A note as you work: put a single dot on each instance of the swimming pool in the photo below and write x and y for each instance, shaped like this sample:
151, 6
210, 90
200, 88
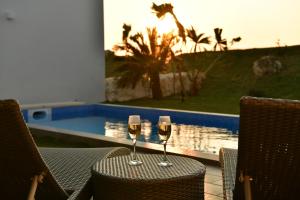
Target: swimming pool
205, 132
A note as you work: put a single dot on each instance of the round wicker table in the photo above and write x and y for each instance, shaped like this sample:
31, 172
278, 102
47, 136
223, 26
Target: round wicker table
114, 179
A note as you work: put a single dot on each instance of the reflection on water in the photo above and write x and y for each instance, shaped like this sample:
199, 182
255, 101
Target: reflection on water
116, 130
200, 138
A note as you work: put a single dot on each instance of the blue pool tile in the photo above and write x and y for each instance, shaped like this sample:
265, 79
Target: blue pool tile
73, 112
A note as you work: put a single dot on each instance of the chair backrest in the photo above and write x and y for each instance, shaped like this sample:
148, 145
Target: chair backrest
20, 159
269, 148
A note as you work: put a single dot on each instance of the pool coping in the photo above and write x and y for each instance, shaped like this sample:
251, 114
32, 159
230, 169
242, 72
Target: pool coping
54, 105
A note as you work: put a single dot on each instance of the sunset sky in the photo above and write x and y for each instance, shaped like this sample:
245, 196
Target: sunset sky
260, 23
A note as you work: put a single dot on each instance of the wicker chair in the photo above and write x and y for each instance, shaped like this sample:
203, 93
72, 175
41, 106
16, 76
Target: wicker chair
65, 171
268, 153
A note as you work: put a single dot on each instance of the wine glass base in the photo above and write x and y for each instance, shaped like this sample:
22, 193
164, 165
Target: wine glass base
165, 164
135, 162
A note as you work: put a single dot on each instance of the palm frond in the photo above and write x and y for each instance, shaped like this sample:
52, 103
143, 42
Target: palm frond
205, 40
218, 34
191, 33
133, 50
166, 50
152, 36
138, 38
126, 30
181, 30
237, 39
234, 40
161, 10
215, 46
119, 47
223, 42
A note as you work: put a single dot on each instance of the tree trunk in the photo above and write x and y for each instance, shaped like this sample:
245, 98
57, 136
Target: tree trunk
155, 86
193, 76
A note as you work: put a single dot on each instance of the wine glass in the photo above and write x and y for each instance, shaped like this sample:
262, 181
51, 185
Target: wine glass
164, 133
134, 129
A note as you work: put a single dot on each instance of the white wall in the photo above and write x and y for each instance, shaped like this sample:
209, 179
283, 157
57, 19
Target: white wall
52, 51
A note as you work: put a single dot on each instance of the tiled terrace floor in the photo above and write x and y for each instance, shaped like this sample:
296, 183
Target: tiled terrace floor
213, 186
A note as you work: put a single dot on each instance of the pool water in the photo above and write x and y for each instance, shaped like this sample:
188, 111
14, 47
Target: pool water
193, 137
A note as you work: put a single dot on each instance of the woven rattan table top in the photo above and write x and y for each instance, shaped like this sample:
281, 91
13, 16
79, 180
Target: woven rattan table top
118, 167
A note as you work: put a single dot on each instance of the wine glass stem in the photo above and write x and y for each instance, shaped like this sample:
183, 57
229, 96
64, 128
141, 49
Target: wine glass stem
165, 154
134, 153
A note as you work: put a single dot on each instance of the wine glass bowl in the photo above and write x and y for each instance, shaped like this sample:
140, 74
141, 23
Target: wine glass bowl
134, 130
164, 133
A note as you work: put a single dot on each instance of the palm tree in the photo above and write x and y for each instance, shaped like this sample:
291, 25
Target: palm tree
144, 60
220, 42
160, 11
197, 39
195, 76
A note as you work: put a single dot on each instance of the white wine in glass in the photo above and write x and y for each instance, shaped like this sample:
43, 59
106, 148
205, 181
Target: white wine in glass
164, 133
134, 129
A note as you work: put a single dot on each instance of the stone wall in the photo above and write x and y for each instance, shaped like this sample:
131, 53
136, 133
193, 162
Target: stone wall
168, 85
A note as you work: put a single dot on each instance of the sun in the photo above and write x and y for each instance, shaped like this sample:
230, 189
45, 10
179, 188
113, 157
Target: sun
164, 25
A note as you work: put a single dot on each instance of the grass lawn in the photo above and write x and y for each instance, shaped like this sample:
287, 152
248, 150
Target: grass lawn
231, 78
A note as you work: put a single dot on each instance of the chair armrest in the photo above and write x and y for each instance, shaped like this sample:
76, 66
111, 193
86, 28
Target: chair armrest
247, 185
228, 160
35, 181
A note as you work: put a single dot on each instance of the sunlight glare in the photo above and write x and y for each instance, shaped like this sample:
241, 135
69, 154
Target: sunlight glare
164, 25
